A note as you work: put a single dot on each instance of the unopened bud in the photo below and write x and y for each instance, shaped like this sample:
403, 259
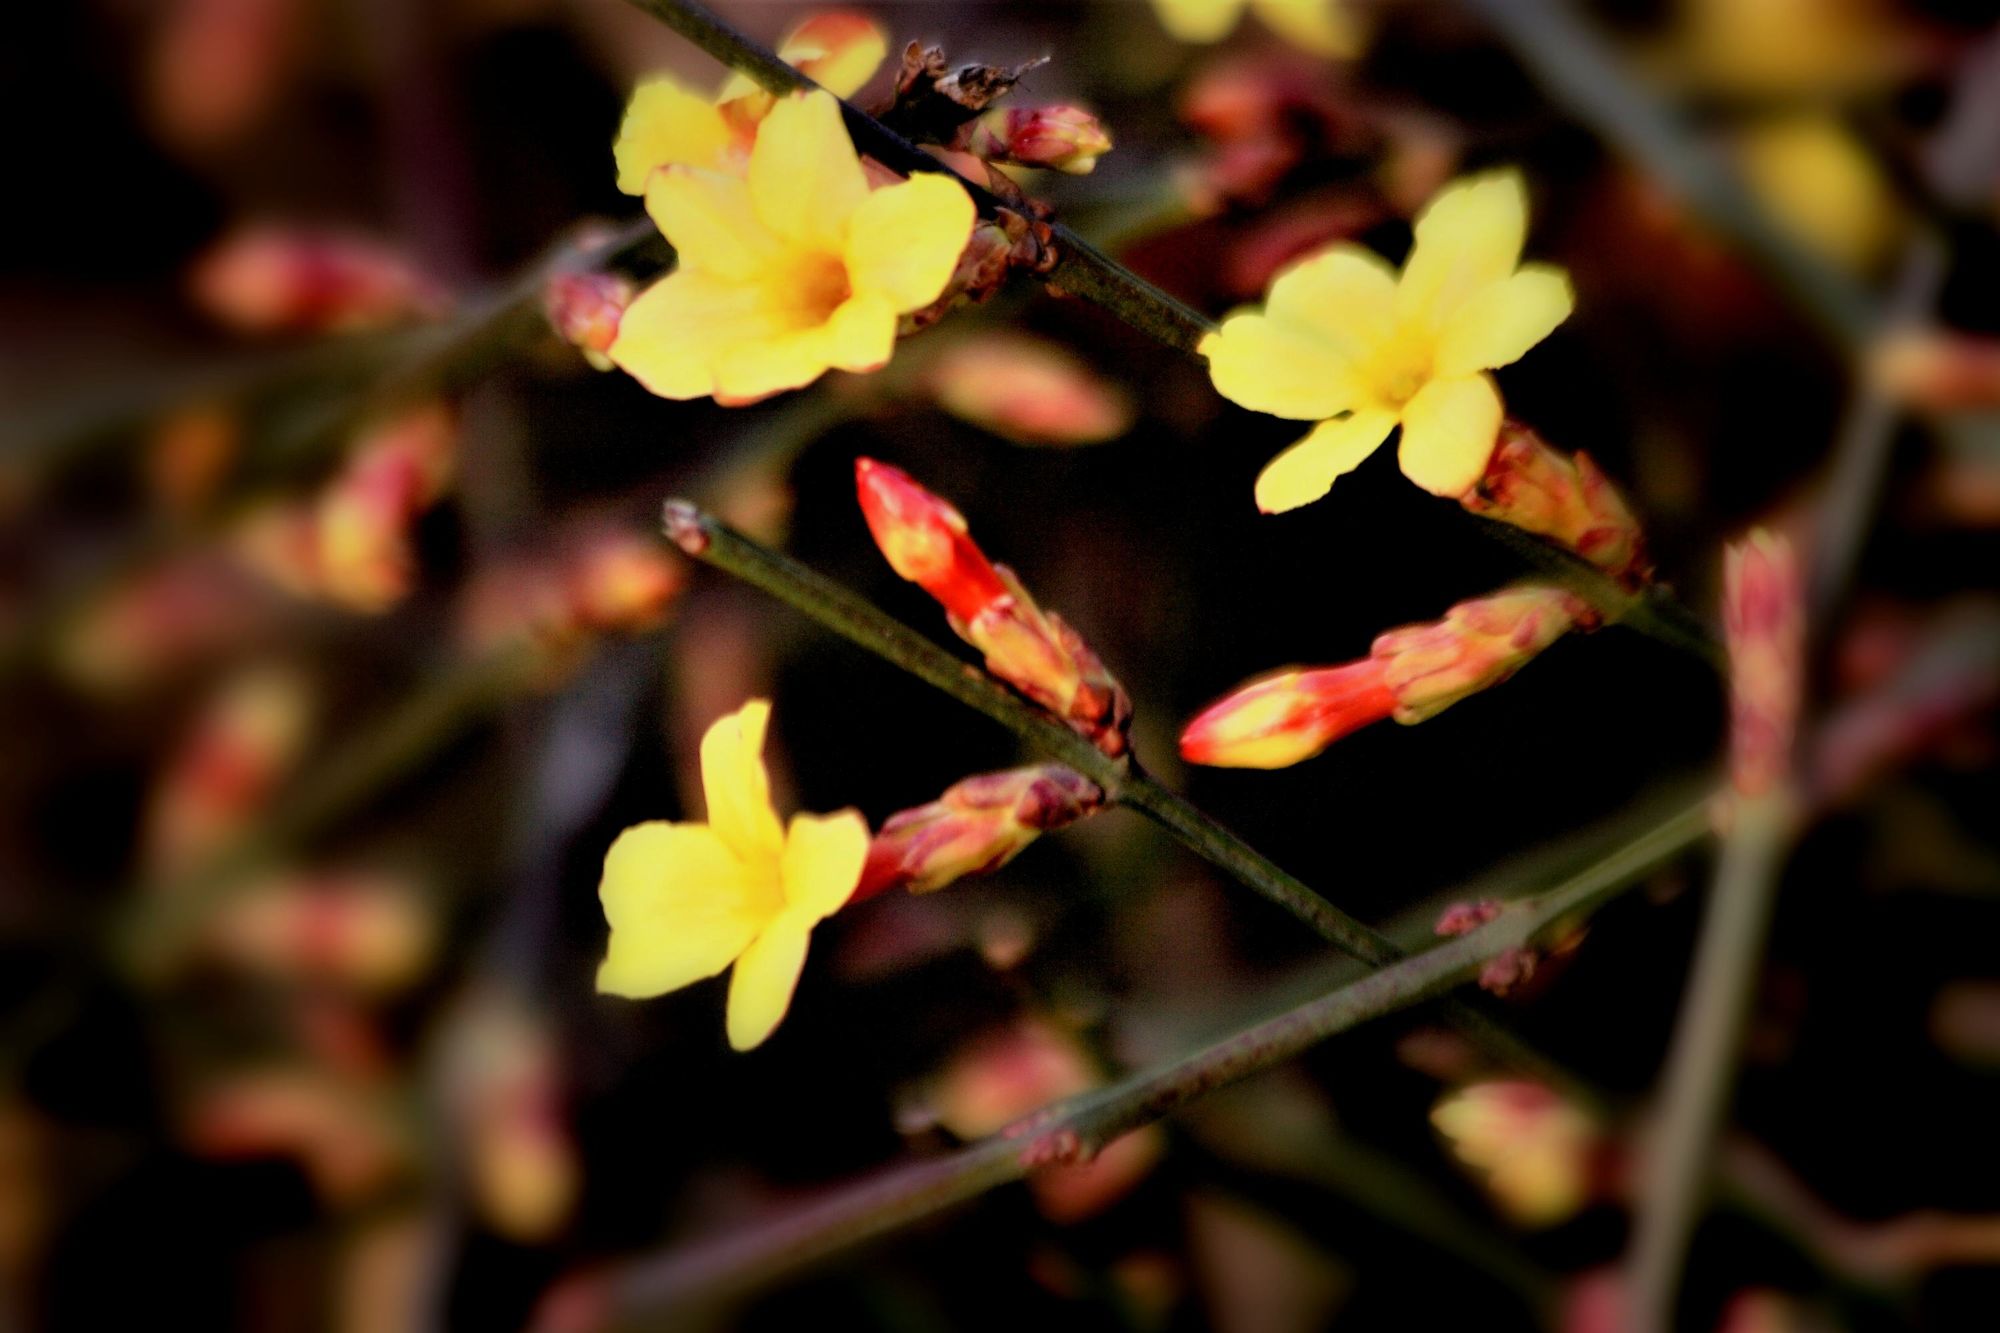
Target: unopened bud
295, 280
925, 540
364, 518
1568, 500
1763, 620
1477, 645
1065, 138
977, 826
585, 310
239, 749
1284, 719
371, 932
1028, 391
1940, 372
601, 581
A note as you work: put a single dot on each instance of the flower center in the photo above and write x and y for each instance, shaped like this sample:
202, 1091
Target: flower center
1401, 367
821, 286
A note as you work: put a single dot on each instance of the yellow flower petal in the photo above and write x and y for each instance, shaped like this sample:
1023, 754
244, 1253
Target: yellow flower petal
664, 125
738, 791
1449, 430
1198, 20
1499, 323
1306, 471
708, 217
860, 334
1320, 27
1270, 366
822, 862
1467, 237
1346, 295
904, 240
670, 336
804, 176
760, 988
750, 370
681, 906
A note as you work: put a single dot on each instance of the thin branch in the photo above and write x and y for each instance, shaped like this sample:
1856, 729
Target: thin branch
1081, 268
1701, 1065
1580, 71
1077, 1129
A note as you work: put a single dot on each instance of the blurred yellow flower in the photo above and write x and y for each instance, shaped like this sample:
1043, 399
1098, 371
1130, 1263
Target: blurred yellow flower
1321, 27
686, 901
1821, 185
1535, 1149
667, 124
790, 270
1343, 341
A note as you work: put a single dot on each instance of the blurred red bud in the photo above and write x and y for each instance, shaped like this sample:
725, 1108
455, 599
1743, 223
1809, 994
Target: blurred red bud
272, 279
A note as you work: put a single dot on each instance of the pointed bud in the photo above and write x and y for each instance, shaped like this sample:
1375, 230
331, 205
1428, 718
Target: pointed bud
585, 310
1028, 391
925, 540
276, 279
1065, 138
1565, 499
242, 745
976, 827
1477, 645
1763, 620
1284, 719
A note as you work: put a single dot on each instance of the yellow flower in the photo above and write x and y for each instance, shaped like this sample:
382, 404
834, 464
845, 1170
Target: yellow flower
789, 270
1321, 27
687, 900
1343, 341
668, 125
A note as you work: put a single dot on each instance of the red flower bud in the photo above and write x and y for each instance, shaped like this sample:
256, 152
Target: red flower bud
976, 827
1565, 499
925, 540
1283, 719
1067, 138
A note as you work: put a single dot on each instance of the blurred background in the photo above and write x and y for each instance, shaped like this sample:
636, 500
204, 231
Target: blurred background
337, 645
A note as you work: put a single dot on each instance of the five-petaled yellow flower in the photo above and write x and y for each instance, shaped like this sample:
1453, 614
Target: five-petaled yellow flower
687, 900
1343, 341
790, 270
1321, 27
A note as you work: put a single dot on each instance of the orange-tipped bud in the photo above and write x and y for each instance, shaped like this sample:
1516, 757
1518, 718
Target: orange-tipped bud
1028, 391
585, 310
977, 826
1565, 499
1763, 620
925, 540
1478, 644
241, 746
1941, 372
1284, 719
1065, 138
295, 280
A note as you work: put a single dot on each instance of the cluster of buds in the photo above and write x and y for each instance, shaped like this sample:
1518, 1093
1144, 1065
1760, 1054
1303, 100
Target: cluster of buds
1537, 1151
243, 743
273, 279
1061, 137
1027, 390
1763, 620
1565, 499
602, 581
976, 827
925, 541
1410, 674
351, 544
369, 933
585, 308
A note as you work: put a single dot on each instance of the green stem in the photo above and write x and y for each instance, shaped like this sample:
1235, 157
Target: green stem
1078, 1129
1081, 269
1702, 1062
